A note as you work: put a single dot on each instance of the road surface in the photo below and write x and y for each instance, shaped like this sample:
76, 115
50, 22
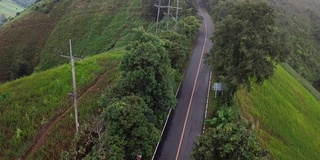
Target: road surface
186, 121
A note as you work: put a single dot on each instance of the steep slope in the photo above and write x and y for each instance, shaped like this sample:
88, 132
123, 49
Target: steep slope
30, 104
286, 116
40, 35
9, 8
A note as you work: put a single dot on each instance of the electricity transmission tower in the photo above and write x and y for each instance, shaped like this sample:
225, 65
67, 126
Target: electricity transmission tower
159, 6
74, 94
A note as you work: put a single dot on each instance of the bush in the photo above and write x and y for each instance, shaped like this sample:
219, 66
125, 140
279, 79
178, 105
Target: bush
228, 139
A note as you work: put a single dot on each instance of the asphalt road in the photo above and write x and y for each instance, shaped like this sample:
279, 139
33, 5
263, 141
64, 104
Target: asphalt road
186, 121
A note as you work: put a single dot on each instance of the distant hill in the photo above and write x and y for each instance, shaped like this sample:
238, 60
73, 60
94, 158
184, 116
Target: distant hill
36, 39
25, 3
9, 8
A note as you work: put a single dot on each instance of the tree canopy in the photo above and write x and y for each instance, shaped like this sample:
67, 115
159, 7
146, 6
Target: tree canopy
146, 72
227, 138
128, 128
246, 45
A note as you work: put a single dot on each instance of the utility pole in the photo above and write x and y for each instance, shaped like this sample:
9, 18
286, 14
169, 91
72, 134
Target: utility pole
168, 14
177, 16
74, 94
159, 6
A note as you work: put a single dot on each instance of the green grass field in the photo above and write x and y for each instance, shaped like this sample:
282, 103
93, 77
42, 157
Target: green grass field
286, 117
9, 8
27, 104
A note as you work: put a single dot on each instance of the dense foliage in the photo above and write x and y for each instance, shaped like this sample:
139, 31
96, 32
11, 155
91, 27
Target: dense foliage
227, 138
129, 129
300, 21
137, 105
146, 71
246, 44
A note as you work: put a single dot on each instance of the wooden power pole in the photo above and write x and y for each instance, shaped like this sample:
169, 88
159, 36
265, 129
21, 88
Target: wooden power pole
74, 94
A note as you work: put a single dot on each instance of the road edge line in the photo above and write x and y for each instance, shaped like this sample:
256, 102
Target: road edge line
208, 94
165, 125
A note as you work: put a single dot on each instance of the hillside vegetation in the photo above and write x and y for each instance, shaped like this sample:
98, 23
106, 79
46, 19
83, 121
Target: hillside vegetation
27, 104
286, 116
40, 35
301, 20
31, 105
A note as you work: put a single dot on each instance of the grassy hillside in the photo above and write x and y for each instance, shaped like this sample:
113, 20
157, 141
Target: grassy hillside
286, 116
9, 8
37, 38
27, 104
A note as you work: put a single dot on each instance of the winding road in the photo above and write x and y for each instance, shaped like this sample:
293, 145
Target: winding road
185, 123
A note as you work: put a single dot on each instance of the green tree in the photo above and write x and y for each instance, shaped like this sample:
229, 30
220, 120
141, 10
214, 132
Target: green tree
146, 72
246, 45
228, 139
221, 8
130, 132
189, 26
177, 46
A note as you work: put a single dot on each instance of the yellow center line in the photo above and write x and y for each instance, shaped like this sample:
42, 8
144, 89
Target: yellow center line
194, 86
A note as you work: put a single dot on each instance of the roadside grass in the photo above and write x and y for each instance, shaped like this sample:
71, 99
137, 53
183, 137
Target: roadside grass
27, 104
212, 101
9, 8
88, 110
286, 116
